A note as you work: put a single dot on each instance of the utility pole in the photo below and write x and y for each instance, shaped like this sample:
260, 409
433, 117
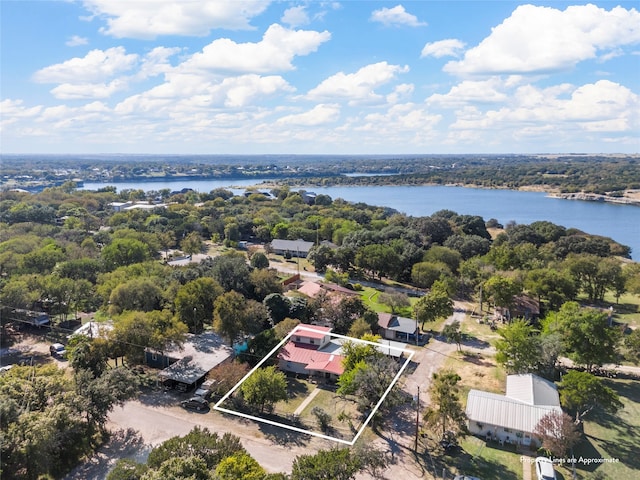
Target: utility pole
415, 448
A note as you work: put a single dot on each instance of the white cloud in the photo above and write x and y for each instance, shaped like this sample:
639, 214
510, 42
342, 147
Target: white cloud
95, 66
450, 47
557, 110
76, 41
318, 115
396, 16
400, 92
156, 62
150, 18
295, 16
357, 87
239, 91
13, 111
543, 39
485, 91
75, 91
275, 52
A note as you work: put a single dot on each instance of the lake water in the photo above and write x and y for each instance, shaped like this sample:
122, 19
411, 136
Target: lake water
620, 222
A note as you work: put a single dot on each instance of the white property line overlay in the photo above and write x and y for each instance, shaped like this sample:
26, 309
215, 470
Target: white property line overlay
310, 432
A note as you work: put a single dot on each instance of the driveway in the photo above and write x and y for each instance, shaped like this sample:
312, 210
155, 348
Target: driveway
140, 425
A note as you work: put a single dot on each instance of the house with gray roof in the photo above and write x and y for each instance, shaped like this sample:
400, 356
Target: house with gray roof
393, 327
295, 248
185, 367
512, 418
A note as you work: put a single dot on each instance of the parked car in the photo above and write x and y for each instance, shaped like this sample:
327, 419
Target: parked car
195, 403
58, 350
544, 469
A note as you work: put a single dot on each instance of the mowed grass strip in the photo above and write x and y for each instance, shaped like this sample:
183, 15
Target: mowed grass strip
612, 437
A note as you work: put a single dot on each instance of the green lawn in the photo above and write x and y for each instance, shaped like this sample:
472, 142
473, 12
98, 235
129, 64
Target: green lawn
474, 458
334, 405
626, 310
613, 437
297, 389
370, 299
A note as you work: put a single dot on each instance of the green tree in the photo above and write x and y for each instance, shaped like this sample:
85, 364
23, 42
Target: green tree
239, 467
259, 260
231, 272
192, 244
452, 333
335, 464
124, 251
278, 307
263, 283
445, 411
424, 274
587, 336
201, 442
101, 394
551, 286
283, 328
195, 300
632, 346
395, 300
359, 328
86, 353
127, 469
502, 290
435, 304
264, 388
179, 468
230, 315
321, 256
369, 380
380, 260
137, 294
135, 331
582, 392
518, 348
594, 274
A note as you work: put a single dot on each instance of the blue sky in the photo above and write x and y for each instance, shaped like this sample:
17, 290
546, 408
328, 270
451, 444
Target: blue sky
253, 77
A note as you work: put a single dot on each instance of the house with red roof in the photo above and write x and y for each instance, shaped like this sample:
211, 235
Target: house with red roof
310, 351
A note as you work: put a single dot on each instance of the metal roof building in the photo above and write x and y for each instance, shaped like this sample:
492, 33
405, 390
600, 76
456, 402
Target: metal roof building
514, 416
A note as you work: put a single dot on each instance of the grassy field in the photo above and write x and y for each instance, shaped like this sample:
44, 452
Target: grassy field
613, 437
474, 458
297, 389
626, 310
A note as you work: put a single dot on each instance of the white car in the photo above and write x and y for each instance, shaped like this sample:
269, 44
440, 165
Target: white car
544, 469
58, 350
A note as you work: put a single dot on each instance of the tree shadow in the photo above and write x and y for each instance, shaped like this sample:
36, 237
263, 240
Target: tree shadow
625, 389
160, 397
476, 359
456, 461
120, 444
586, 450
474, 342
296, 387
284, 436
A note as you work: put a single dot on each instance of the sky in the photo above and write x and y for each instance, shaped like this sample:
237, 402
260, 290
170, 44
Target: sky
319, 77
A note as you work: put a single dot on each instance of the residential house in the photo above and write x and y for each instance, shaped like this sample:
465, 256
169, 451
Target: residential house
512, 418
185, 368
311, 350
296, 248
314, 289
393, 327
523, 306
